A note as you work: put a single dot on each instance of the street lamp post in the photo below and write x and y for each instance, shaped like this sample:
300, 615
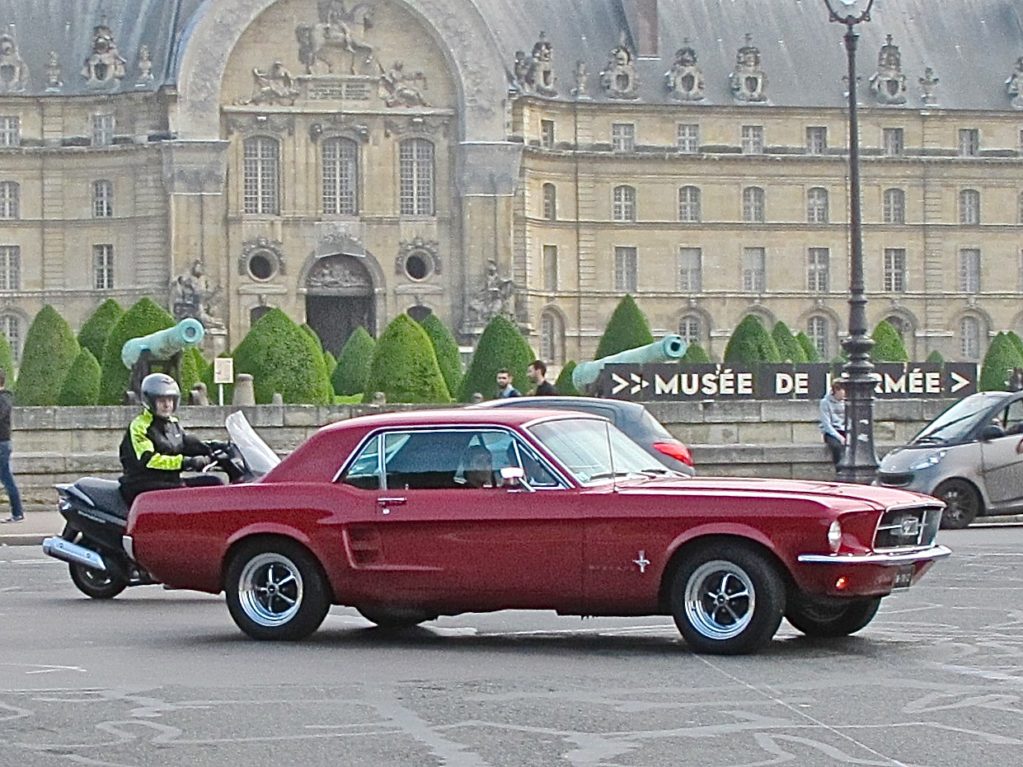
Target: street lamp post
859, 460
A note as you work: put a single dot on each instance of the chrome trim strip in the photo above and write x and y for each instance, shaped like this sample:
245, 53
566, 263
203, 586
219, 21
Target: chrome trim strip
907, 558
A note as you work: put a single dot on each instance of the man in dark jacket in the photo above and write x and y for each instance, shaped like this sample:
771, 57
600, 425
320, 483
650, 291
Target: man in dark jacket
6, 477
537, 375
155, 449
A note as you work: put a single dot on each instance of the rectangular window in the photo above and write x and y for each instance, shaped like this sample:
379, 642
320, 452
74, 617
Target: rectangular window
969, 270
754, 270
892, 140
752, 139
969, 142
103, 266
688, 138
340, 163
10, 130
10, 267
550, 267
895, 270
818, 264
102, 130
623, 137
547, 134
102, 199
625, 270
690, 270
816, 140
416, 170
260, 175
10, 199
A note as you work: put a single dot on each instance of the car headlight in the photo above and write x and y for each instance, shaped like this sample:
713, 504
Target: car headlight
931, 459
835, 536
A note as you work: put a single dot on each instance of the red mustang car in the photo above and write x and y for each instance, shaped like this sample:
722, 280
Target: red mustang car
409, 516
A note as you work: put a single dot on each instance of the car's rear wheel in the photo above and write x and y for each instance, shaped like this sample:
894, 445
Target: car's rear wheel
831, 617
962, 503
394, 618
276, 590
97, 584
727, 599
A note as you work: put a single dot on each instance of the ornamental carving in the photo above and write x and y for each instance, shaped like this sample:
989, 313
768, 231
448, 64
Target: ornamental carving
619, 76
145, 67
191, 296
1014, 85
13, 70
496, 297
272, 86
928, 84
399, 88
427, 250
261, 248
582, 77
339, 273
416, 125
748, 82
261, 123
339, 124
54, 82
888, 84
337, 42
535, 74
685, 78
104, 65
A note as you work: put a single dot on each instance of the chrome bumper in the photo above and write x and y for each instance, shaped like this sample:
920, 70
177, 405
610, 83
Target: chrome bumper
66, 551
901, 558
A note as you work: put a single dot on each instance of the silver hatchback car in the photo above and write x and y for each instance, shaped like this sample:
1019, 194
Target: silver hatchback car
970, 456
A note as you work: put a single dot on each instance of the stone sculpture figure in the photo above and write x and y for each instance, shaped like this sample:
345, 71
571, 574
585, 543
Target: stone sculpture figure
145, 66
541, 68
748, 82
888, 84
928, 84
274, 86
13, 70
685, 79
104, 64
326, 45
190, 296
53, 79
398, 88
1014, 85
497, 297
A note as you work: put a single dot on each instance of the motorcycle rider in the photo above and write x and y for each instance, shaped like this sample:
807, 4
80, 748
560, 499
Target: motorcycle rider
155, 449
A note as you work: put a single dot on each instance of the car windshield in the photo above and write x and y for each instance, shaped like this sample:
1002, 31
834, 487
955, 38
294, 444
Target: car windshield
955, 423
594, 450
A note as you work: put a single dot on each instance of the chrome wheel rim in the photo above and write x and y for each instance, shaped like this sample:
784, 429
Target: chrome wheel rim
719, 600
270, 589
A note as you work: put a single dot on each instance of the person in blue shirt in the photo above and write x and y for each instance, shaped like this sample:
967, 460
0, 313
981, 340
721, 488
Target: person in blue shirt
832, 420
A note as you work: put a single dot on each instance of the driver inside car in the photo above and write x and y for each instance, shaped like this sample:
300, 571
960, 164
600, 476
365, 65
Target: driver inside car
479, 467
155, 449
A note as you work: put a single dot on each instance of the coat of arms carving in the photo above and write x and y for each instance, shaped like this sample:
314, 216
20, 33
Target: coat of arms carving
104, 65
1014, 85
619, 76
685, 79
888, 84
748, 82
13, 71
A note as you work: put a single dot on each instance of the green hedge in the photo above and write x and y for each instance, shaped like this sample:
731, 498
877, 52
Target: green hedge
888, 346
627, 329
809, 349
1002, 356
446, 349
404, 365
935, 357
352, 370
501, 345
788, 347
143, 318
94, 333
50, 351
751, 343
81, 385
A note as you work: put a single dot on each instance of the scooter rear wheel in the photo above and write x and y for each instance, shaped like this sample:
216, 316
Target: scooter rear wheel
96, 583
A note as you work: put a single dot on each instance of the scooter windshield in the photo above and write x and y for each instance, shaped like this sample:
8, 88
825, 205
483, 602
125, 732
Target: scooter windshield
258, 455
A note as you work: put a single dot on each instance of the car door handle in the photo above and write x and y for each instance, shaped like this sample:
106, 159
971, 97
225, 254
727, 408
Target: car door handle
399, 501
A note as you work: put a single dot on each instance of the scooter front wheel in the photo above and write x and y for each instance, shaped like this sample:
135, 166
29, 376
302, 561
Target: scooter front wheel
96, 583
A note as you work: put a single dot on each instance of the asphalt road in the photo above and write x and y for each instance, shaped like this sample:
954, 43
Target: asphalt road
164, 678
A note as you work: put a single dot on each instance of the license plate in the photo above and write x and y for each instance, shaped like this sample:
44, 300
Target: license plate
903, 577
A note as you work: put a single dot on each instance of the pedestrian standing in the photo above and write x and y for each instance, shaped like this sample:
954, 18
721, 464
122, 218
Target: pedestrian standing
504, 385
537, 375
6, 477
832, 420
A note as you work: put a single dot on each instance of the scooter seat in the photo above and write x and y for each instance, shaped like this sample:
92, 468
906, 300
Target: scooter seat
106, 494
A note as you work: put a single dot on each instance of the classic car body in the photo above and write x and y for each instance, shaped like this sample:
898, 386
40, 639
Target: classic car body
384, 514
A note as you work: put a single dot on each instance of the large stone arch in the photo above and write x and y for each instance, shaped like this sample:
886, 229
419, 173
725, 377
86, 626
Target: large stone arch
456, 26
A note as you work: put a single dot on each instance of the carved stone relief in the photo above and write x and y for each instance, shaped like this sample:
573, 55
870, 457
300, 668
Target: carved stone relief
272, 86
888, 84
418, 258
339, 272
261, 123
399, 88
417, 125
497, 296
619, 76
54, 82
145, 68
13, 70
1014, 85
261, 258
535, 74
337, 42
104, 65
928, 84
748, 82
685, 78
339, 124
191, 296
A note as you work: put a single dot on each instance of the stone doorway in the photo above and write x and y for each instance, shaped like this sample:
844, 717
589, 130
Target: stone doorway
339, 298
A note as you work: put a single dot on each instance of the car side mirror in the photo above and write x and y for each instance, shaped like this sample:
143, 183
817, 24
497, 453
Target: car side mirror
515, 476
990, 432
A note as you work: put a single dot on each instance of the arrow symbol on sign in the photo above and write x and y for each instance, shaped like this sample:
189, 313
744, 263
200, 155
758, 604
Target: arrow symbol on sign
618, 383
958, 382
638, 383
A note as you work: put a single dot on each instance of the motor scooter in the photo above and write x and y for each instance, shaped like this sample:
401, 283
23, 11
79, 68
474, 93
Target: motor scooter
96, 516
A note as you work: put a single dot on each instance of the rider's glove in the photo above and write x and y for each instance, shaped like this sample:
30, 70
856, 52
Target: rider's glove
196, 462
216, 446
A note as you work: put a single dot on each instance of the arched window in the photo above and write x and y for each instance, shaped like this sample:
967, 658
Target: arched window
261, 176
552, 338
102, 199
753, 205
689, 204
894, 209
691, 328
340, 169
10, 199
415, 160
969, 338
550, 202
901, 325
256, 312
969, 207
818, 330
10, 326
817, 205
623, 206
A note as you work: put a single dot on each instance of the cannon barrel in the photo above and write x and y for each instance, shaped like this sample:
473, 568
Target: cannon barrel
668, 349
163, 344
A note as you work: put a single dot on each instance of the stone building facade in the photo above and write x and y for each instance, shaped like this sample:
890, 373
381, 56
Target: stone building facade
350, 160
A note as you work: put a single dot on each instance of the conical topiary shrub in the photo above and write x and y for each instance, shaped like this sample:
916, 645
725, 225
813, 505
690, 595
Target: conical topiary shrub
751, 344
329, 364
193, 365
312, 334
694, 355
7, 360
50, 351
281, 357
81, 385
143, 318
888, 346
94, 333
627, 329
809, 349
564, 383
353, 364
404, 365
501, 345
1002, 356
1014, 337
788, 346
446, 349
935, 357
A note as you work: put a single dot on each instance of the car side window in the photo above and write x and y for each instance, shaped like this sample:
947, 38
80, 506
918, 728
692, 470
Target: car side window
364, 471
510, 451
1014, 418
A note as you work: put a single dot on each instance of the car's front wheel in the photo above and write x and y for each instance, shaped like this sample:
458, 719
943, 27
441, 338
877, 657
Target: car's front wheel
962, 503
831, 617
727, 600
276, 590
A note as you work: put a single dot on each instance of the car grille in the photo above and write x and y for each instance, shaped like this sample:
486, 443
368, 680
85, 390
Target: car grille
894, 480
907, 527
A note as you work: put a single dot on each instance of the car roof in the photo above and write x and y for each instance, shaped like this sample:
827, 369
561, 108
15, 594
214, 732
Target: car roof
462, 416
571, 403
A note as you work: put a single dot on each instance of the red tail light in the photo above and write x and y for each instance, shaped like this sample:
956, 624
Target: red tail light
676, 450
